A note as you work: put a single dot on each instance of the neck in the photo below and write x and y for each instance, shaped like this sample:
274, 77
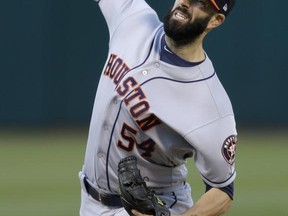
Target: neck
192, 52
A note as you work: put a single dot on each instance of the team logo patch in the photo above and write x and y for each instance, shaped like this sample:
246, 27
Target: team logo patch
229, 149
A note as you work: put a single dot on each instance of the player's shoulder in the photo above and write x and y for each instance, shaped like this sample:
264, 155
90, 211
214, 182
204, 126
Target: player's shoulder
217, 90
115, 12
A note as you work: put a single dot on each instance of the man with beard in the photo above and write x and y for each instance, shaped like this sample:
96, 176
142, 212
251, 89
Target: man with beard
159, 99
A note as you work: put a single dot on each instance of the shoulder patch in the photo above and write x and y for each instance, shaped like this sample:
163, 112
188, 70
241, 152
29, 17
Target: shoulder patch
229, 149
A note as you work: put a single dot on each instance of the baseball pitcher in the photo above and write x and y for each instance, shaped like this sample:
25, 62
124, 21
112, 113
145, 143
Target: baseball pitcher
159, 101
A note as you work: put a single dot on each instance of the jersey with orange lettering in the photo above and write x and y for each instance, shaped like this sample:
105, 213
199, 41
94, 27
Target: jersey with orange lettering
152, 104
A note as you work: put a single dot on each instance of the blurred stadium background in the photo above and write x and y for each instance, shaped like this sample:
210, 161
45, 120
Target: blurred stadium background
51, 56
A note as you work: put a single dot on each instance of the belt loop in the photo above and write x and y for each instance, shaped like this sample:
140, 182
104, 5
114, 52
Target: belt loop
82, 182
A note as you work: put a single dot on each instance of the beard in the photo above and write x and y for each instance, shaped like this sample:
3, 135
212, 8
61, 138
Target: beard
183, 34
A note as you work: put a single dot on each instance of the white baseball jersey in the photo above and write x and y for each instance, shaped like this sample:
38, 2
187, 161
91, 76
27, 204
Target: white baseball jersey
158, 111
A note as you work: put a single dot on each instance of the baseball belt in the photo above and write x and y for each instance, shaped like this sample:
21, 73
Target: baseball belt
112, 200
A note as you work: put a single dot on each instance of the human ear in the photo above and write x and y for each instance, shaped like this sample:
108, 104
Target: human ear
216, 20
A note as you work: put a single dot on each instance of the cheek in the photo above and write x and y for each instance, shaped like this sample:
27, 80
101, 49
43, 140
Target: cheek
176, 4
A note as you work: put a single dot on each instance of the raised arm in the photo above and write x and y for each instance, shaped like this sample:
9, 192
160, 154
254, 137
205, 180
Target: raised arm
116, 11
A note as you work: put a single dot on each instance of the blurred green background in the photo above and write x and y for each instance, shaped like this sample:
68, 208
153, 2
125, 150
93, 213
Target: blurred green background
51, 56
39, 173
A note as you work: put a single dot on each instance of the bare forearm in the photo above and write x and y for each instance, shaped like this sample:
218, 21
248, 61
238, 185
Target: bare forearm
213, 203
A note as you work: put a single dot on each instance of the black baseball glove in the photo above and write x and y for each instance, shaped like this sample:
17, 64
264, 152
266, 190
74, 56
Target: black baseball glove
134, 192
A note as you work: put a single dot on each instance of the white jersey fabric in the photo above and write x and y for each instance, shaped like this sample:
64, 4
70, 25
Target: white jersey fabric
159, 112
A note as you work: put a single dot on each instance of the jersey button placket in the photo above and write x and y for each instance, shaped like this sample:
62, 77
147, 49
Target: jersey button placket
157, 65
100, 155
144, 72
105, 127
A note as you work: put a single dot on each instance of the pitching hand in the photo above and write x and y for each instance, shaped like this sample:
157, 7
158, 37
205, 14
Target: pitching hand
136, 213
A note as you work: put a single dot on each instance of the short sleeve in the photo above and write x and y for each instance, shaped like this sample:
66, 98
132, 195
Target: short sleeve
215, 151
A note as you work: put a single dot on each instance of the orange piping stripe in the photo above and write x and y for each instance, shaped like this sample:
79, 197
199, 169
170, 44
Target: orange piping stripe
214, 3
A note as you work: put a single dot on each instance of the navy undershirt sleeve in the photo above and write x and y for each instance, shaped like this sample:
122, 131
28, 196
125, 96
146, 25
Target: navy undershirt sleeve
229, 189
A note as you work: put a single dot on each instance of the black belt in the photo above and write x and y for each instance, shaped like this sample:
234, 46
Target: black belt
106, 199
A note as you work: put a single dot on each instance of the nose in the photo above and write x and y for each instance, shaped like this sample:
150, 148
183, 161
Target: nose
185, 3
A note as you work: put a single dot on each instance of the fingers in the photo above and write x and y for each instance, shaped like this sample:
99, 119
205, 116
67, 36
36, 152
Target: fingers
136, 213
